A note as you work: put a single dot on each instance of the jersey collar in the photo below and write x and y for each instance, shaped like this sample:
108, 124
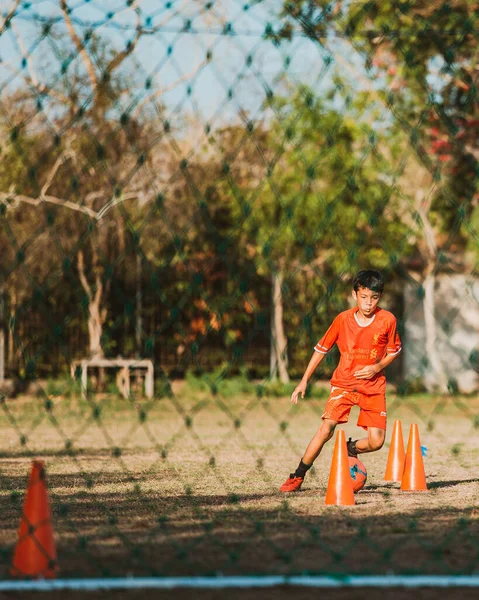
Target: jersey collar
370, 321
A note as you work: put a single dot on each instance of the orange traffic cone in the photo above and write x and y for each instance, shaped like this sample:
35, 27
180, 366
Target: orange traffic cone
396, 456
340, 485
414, 477
35, 554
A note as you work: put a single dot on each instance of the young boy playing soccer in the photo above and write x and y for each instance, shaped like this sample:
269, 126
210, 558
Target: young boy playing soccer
368, 342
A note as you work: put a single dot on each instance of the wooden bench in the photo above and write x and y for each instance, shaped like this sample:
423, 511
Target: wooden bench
124, 366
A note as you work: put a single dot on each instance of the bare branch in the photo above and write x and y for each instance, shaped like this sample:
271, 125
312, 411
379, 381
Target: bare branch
115, 63
423, 206
7, 198
17, 198
34, 81
90, 67
99, 285
180, 10
99, 288
115, 201
164, 90
93, 196
40, 87
64, 156
8, 17
81, 273
26, 55
119, 58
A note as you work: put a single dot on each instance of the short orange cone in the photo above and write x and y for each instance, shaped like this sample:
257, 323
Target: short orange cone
396, 456
414, 477
340, 485
35, 554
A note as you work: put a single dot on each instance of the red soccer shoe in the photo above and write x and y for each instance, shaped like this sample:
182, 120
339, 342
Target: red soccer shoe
292, 484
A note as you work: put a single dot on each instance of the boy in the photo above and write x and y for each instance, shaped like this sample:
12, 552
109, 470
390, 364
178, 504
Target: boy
368, 342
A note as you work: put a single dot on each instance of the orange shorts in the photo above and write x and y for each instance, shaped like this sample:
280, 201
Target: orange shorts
372, 411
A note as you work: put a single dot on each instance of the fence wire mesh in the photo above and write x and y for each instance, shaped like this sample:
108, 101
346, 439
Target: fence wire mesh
186, 191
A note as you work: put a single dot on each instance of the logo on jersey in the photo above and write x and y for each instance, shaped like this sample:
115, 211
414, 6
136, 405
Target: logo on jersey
376, 339
382, 414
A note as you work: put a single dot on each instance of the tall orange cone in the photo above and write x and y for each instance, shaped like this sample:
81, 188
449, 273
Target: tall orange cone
340, 485
414, 477
396, 456
35, 554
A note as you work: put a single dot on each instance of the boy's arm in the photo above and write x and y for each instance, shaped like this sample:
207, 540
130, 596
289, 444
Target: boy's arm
301, 387
320, 350
370, 371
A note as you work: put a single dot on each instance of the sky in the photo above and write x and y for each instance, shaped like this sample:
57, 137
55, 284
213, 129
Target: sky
170, 64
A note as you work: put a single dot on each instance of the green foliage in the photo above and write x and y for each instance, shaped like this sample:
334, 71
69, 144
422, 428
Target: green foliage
420, 59
241, 385
216, 383
276, 389
64, 387
471, 232
328, 191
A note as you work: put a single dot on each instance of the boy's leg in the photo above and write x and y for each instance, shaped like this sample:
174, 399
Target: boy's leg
336, 411
372, 417
324, 433
373, 442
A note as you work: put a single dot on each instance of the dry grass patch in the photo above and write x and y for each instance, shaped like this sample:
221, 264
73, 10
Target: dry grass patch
189, 485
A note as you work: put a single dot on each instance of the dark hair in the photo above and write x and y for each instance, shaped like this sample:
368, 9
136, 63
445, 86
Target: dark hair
369, 278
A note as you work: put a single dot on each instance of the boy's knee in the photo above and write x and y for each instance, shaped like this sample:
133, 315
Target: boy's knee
327, 430
376, 442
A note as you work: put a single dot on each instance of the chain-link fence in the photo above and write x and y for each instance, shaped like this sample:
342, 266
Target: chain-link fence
186, 192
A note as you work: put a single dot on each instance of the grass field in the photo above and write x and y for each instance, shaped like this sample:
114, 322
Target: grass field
188, 484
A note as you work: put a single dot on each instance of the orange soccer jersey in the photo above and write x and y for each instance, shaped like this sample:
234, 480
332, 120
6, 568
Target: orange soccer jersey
359, 346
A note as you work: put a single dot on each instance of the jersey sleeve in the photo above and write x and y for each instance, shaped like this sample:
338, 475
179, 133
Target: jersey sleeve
329, 338
394, 343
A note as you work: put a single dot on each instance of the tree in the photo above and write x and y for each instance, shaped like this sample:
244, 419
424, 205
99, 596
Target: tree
432, 55
421, 57
312, 198
94, 153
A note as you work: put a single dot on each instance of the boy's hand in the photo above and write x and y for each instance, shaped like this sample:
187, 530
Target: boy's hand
367, 372
300, 389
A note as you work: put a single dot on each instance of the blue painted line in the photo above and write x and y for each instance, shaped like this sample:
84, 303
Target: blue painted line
128, 583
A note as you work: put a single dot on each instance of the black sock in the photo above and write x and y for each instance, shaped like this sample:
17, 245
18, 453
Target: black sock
352, 449
302, 469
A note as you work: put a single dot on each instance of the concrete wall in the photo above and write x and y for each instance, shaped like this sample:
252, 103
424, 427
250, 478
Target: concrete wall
457, 318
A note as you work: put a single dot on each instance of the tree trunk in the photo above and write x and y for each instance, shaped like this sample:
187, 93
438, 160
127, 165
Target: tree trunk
273, 357
436, 379
279, 342
95, 328
139, 306
11, 344
96, 314
2, 333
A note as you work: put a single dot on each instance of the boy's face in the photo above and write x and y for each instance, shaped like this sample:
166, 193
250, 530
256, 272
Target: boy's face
367, 300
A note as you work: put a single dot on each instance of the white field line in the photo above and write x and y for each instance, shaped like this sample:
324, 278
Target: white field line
222, 582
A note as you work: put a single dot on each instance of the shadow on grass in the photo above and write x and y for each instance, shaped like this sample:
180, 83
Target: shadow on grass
452, 483
109, 531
